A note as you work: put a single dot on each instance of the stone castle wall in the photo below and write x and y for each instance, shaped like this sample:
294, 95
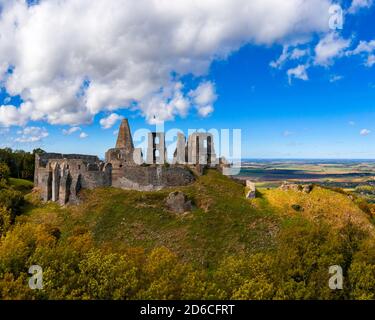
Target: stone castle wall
153, 177
60, 177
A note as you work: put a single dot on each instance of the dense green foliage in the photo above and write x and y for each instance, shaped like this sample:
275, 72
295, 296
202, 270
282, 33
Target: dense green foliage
124, 245
20, 163
4, 172
75, 269
11, 200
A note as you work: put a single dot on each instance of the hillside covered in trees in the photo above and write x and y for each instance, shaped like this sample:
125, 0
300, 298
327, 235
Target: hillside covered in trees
126, 245
20, 163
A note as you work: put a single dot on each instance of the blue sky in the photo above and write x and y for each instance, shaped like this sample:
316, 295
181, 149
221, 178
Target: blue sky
321, 116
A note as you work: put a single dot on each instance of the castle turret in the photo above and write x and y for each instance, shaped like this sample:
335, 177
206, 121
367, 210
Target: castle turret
124, 139
123, 154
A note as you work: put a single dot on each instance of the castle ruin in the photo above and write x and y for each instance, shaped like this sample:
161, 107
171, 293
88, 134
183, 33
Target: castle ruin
60, 177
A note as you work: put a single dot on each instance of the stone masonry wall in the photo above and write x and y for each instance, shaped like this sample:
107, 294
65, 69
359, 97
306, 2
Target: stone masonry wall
148, 178
60, 177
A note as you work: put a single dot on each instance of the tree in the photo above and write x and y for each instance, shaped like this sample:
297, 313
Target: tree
21, 164
4, 171
38, 151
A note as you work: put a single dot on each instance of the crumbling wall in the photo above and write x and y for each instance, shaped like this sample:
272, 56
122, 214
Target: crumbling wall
60, 177
148, 178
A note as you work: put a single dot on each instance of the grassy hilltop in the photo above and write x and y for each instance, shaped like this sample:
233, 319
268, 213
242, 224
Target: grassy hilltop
126, 245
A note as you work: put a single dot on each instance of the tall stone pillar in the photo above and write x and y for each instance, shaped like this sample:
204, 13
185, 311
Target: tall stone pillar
65, 183
180, 153
55, 181
193, 149
156, 148
201, 149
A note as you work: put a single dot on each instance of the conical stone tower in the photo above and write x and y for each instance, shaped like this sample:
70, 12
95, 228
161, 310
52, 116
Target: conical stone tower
124, 139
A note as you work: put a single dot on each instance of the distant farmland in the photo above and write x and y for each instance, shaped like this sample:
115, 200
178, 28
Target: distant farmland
336, 173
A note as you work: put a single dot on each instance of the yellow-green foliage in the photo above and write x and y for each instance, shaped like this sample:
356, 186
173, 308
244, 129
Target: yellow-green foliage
320, 205
10, 201
4, 171
125, 245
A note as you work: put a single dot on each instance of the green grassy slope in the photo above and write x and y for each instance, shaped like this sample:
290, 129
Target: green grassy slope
22, 185
222, 223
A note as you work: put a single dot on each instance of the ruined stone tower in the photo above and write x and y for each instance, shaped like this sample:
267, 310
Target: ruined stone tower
123, 153
124, 139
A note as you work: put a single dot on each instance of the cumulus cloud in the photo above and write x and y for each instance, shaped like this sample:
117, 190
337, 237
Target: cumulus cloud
166, 104
69, 65
110, 121
13, 116
299, 72
83, 135
68, 132
365, 132
366, 49
359, 4
330, 47
203, 98
31, 134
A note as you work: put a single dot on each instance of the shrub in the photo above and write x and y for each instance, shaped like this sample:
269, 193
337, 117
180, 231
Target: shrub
5, 220
4, 171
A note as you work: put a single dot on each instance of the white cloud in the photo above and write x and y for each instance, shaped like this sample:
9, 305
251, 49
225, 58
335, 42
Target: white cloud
330, 47
365, 132
370, 60
203, 98
298, 53
166, 104
110, 121
83, 135
68, 65
281, 60
365, 49
287, 54
351, 123
31, 134
68, 132
359, 4
335, 78
298, 72
13, 116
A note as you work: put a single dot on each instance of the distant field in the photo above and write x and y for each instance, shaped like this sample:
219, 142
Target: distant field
346, 174
278, 170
